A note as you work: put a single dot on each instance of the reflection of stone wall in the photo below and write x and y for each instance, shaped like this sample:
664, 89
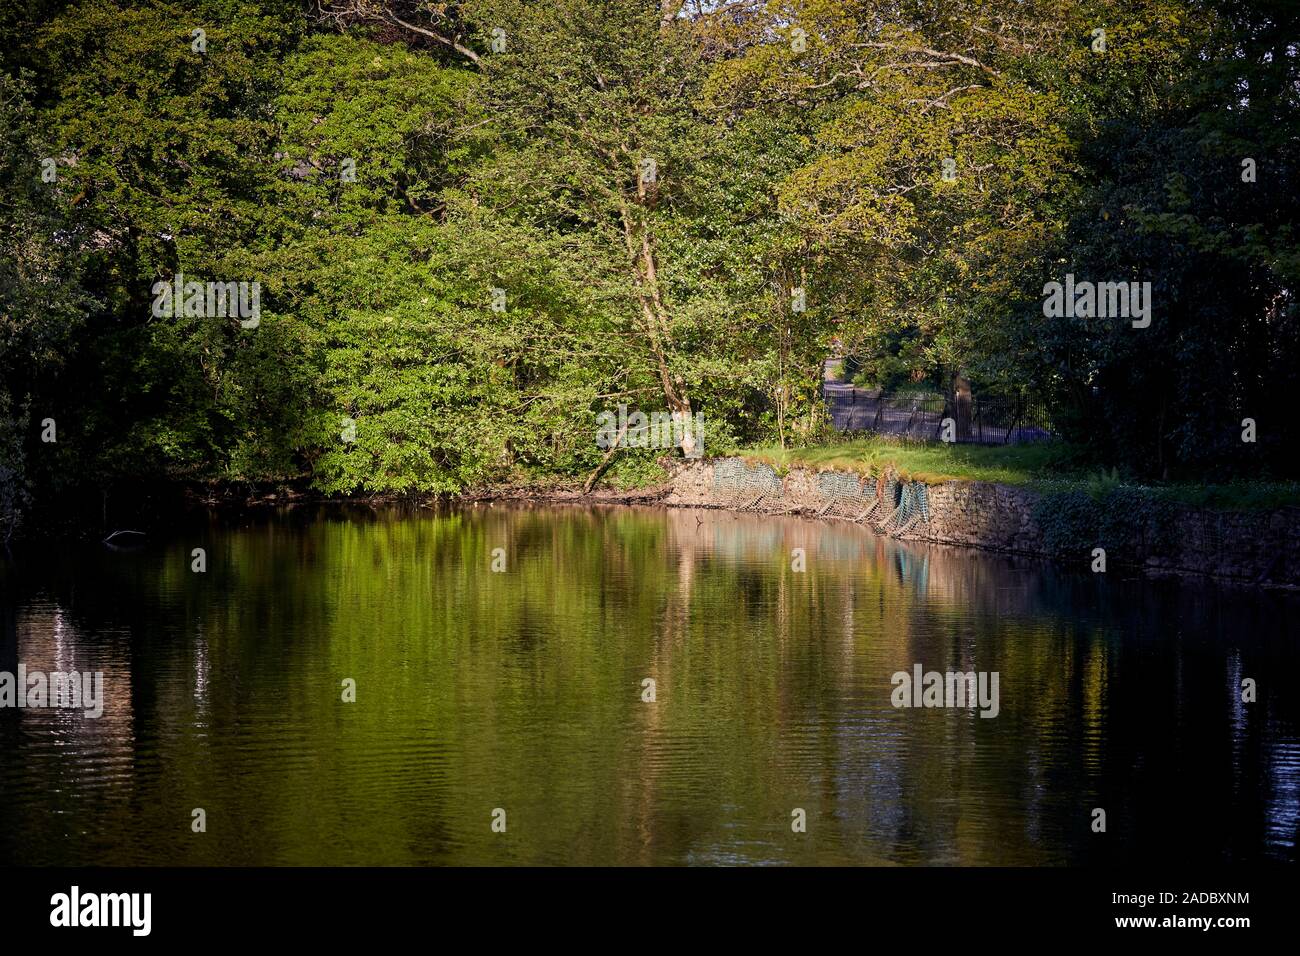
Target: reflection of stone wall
1256, 547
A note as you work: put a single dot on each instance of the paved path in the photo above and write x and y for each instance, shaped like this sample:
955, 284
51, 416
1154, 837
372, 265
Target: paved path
856, 409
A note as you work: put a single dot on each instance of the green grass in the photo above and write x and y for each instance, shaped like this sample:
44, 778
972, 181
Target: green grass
930, 463
1237, 496
1048, 466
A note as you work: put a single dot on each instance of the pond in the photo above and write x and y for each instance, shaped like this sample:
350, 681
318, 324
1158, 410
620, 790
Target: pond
632, 686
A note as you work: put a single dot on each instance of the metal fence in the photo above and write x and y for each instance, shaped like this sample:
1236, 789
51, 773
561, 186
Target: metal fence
984, 420
744, 486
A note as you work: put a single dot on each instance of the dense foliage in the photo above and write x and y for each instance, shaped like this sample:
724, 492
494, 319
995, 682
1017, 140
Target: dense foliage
476, 225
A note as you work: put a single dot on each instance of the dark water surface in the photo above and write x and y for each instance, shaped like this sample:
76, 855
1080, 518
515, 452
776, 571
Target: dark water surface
522, 690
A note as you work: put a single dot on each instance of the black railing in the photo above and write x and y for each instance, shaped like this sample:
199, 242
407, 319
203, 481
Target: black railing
934, 416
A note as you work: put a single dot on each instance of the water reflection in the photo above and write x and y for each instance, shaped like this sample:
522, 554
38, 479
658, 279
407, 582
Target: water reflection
523, 690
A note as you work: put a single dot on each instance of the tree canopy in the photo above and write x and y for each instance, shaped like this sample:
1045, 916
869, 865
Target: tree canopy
476, 225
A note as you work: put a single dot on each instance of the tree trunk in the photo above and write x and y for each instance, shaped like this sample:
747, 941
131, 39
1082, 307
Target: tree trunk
654, 314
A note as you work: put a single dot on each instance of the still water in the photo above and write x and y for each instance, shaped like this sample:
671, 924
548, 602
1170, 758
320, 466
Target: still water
523, 691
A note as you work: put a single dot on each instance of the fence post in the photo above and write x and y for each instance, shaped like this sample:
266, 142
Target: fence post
962, 400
